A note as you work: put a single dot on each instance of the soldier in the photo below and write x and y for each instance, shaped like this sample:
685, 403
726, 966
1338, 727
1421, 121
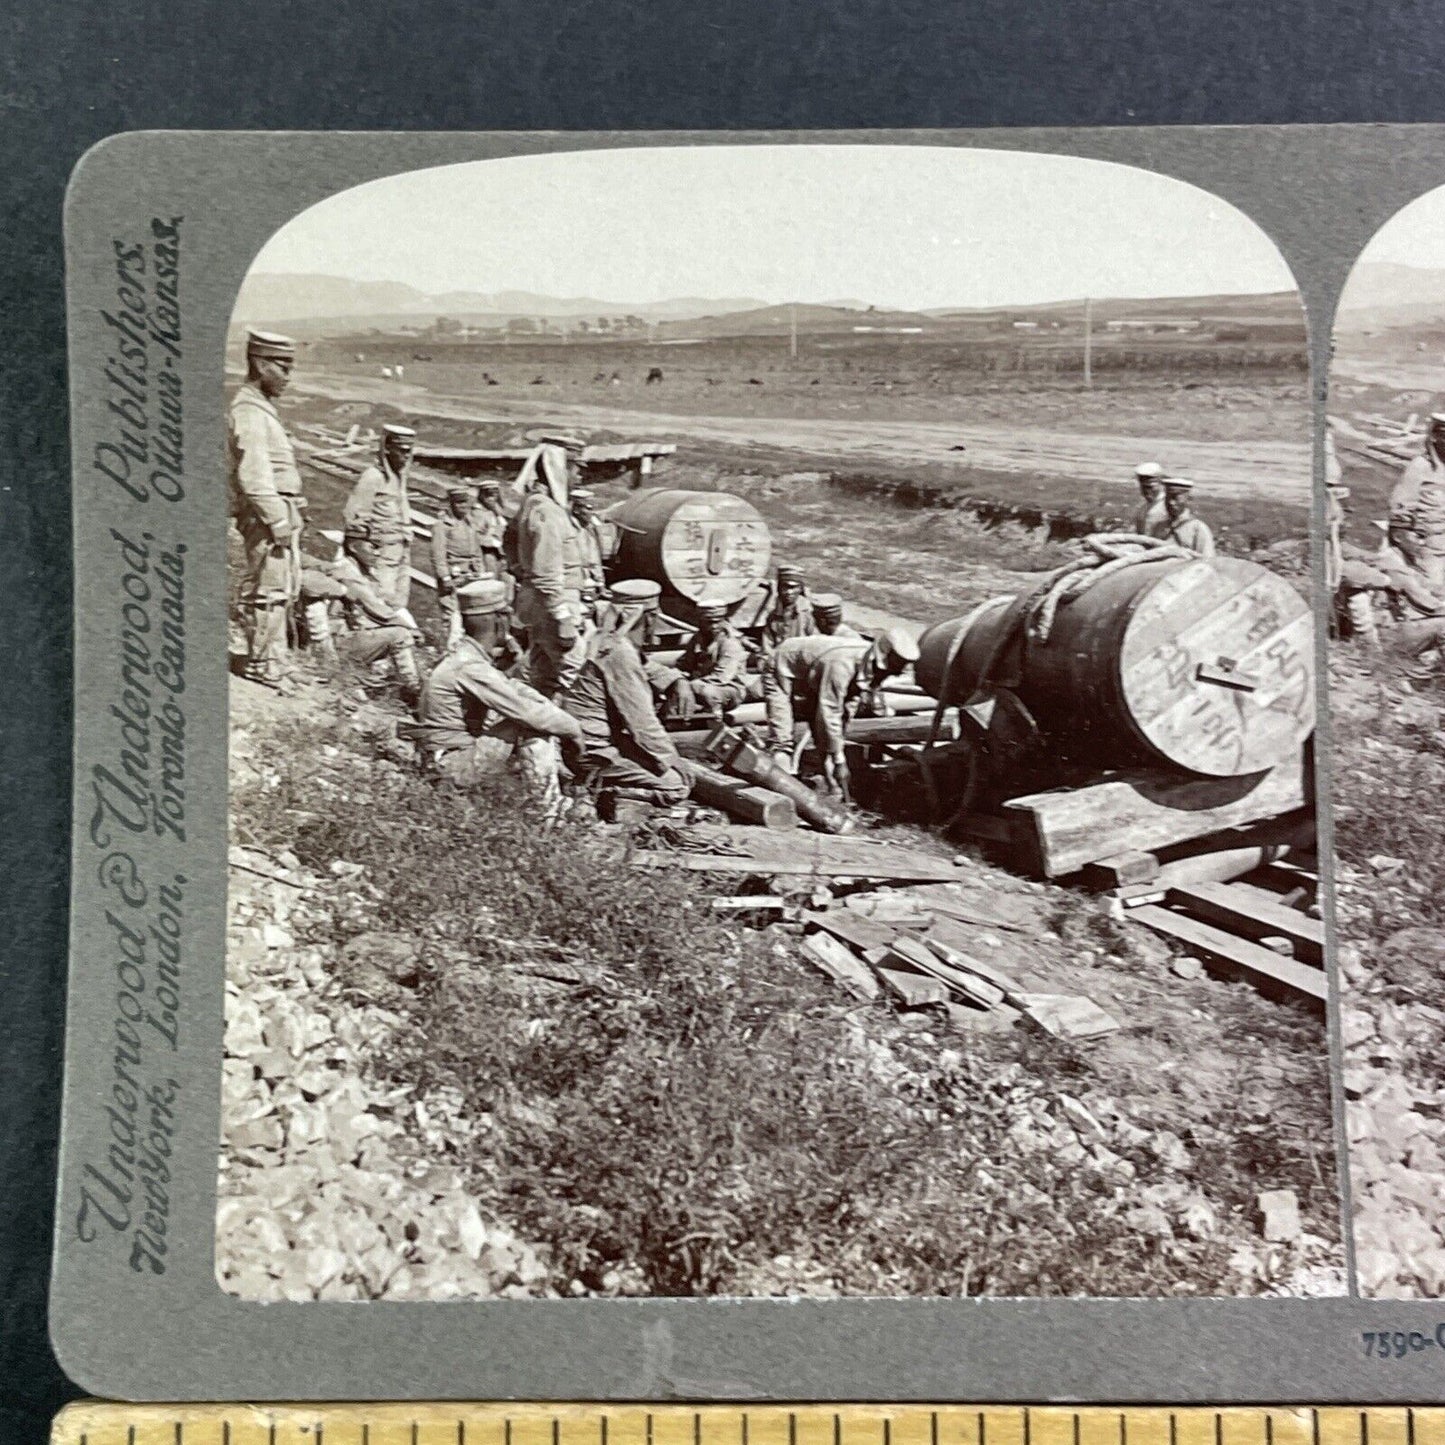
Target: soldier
1150, 520
626, 750
376, 631
590, 538
828, 616
1417, 605
791, 614
550, 575
377, 517
474, 721
1417, 503
491, 523
710, 676
827, 680
1183, 528
267, 504
457, 554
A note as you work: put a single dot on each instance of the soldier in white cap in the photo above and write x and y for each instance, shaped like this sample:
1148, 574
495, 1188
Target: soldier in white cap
460, 551
377, 517
1417, 503
1150, 520
550, 572
267, 503
1183, 528
711, 674
475, 722
825, 681
625, 749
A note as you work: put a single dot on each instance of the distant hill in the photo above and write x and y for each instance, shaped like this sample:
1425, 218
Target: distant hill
1387, 287
1274, 306
279, 299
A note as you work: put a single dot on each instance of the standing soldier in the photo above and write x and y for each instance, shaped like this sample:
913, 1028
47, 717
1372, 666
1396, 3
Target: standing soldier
826, 680
711, 674
457, 555
1183, 528
377, 517
590, 538
550, 577
626, 751
1417, 503
474, 721
267, 504
1150, 520
491, 524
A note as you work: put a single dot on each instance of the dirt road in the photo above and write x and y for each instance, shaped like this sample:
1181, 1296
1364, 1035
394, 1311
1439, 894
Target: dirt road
1277, 470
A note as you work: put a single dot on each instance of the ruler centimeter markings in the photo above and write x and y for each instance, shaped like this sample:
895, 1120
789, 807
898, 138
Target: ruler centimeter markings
102, 1423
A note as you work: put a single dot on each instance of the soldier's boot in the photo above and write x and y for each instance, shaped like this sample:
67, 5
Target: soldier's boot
267, 658
318, 632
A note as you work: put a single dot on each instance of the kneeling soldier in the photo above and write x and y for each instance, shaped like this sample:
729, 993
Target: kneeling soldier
376, 631
625, 749
474, 721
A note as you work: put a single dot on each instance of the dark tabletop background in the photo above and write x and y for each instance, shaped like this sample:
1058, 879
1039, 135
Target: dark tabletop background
73, 73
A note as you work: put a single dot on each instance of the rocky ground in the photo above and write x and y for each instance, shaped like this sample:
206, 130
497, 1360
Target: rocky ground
1388, 783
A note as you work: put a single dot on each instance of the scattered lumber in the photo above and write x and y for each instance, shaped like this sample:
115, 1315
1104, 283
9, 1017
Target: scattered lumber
909, 953
751, 903
944, 942
902, 703
746, 801
1067, 828
838, 962
1012, 914
871, 731
868, 937
1268, 970
913, 990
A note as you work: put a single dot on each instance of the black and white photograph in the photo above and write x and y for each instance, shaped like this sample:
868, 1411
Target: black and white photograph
1387, 685
772, 708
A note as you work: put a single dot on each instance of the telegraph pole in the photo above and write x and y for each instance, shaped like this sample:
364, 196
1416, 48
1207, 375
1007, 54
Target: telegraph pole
1089, 342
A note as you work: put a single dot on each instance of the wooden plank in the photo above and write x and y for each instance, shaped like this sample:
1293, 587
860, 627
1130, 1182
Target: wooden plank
1009, 913
1262, 967
970, 985
1122, 870
1239, 911
835, 959
1069, 827
801, 867
962, 961
913, 990
743, 800
863, 933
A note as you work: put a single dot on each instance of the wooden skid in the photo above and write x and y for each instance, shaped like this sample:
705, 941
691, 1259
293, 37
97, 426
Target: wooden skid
1261, 966
1070, 827
1241, 910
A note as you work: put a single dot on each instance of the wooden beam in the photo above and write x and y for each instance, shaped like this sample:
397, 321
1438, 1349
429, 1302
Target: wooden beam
1069, 827
838, 962
743, 800
1242, 911
1268, 970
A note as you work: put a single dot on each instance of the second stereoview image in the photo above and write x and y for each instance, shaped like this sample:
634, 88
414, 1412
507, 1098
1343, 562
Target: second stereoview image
771, 738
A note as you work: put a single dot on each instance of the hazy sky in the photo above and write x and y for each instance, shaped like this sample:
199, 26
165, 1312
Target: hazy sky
904, 226
1414, 236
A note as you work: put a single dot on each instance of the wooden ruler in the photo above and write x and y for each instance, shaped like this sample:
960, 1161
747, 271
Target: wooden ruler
96, 1423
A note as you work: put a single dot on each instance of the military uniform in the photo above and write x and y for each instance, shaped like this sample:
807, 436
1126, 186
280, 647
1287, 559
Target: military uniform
1417, 504
377, 519
625, 748
375, 630
819, 678
1191, 534
462, 550
550, 577
473, 720
1151, 520
710, 675
1416, 605
267, 503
